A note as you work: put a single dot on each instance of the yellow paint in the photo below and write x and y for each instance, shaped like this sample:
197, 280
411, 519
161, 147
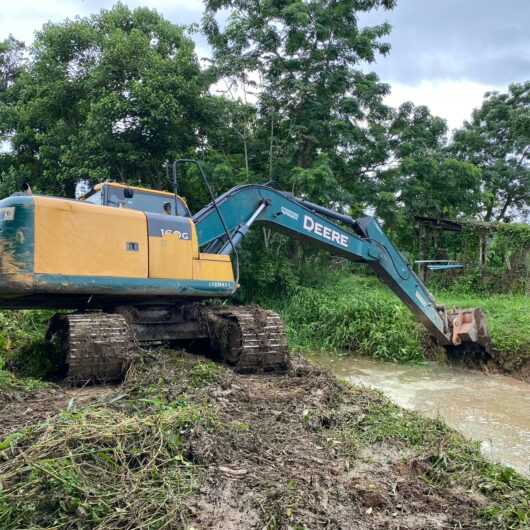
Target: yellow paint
215, 257
170, 257
213, 267
77, 238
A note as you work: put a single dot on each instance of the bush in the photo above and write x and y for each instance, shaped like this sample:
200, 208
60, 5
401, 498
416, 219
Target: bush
22, 346
353, 313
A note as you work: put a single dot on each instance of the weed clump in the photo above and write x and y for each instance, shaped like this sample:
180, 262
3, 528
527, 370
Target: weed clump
101, 468
353, 314
113, 464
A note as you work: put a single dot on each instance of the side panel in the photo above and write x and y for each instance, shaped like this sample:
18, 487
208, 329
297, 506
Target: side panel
213, 267
16, 246
16, 235
172, 246
73, 238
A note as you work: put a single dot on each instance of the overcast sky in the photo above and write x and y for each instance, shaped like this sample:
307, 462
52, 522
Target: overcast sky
445, 53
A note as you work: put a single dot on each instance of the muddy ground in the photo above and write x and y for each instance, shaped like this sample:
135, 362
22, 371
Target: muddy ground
298, 450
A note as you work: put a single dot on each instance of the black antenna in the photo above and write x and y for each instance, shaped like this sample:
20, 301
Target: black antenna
175, 182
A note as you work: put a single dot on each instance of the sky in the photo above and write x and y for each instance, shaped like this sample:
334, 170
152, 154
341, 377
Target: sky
445, 53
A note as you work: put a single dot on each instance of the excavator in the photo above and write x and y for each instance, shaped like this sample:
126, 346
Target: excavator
128, 266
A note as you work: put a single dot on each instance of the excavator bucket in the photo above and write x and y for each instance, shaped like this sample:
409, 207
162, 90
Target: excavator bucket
468, 330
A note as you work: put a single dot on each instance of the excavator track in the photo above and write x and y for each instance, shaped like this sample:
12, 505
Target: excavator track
96, 347
249, 338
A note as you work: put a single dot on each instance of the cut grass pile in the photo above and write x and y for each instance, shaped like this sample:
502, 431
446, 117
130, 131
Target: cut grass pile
187, 444
116, 464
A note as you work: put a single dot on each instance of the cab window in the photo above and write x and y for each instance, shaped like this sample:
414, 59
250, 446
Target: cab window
146, 202
93, 198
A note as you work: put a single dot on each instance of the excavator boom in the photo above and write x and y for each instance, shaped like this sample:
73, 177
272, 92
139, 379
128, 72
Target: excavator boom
364, 241
136, 268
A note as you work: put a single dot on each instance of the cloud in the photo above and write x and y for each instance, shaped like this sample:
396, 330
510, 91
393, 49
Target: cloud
445, 54
22, 18
483, 41
452, 100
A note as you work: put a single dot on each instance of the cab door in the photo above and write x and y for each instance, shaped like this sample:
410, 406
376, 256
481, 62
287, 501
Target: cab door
172, 246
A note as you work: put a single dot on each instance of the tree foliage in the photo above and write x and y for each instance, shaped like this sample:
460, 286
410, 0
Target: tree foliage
421, 176
316, 106
497, 140
108, 96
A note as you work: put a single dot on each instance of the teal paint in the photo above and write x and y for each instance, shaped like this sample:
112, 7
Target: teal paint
369, 244
17, 236
114, 286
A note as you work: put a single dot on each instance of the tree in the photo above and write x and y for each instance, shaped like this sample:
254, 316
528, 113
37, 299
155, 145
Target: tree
12, 62
420, 176
113, 96
315, 106
497, 140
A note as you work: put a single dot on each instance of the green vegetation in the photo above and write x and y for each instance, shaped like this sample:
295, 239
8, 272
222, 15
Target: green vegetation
352, 313
12, 386
446, 458
22, 346
99, 467
111, 464
357, 313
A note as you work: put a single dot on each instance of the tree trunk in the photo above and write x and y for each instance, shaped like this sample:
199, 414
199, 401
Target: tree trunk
505, 208
482, 252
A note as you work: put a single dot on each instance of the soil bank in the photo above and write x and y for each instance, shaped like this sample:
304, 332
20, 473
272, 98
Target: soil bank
185, 443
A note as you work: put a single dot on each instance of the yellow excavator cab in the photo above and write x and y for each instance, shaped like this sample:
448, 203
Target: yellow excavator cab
137, 198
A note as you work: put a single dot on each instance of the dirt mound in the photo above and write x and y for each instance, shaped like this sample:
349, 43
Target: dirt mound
187, 444
282, 462
22, 409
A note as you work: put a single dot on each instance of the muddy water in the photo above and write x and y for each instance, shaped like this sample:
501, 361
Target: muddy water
493, 409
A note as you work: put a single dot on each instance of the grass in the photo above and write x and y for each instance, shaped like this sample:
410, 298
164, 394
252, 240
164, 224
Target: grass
12, 387
358, 314
446, 457
120, 464
22, 347
353, 313
100, 468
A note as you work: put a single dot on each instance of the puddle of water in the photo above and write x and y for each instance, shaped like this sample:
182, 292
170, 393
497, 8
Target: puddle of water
493, 409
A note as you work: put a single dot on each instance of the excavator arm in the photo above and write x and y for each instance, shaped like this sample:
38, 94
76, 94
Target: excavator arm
222, 224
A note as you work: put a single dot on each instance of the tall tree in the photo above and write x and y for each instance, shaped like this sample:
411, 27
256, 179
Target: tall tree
420, 176
316, 106
497, 140
109, 96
